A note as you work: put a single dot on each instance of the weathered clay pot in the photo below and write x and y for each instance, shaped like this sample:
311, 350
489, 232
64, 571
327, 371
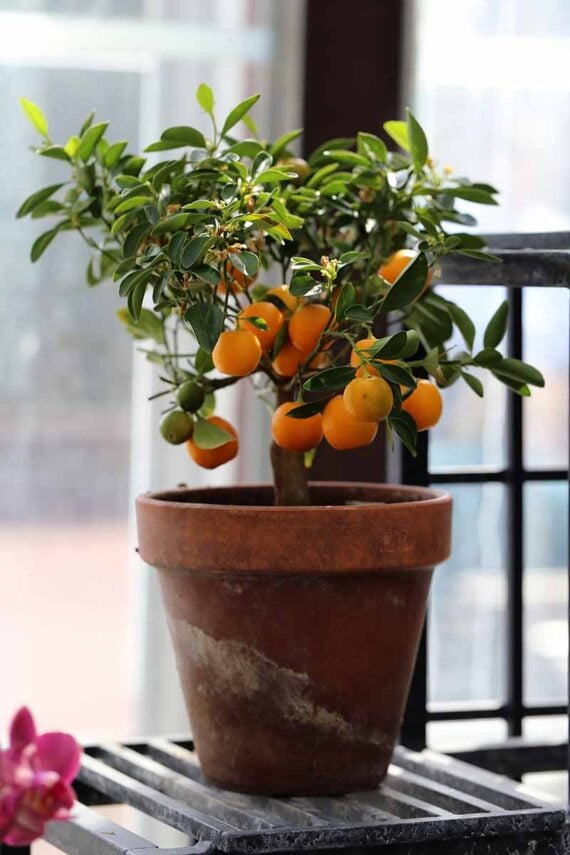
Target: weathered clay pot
295, 628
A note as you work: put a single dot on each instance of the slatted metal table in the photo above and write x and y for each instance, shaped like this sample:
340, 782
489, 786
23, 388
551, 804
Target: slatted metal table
429, 803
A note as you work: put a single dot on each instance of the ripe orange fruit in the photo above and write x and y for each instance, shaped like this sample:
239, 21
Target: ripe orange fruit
288, 360
425, 405
272, 317
295, 434
237, 353
397, 263
209, 458
368, 399
282, 293
342, 430
307, 324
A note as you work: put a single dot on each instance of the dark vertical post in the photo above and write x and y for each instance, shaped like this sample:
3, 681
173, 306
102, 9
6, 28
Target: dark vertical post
415, 470
515, 558
353, 59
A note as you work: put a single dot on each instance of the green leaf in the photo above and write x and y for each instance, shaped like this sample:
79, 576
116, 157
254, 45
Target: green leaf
205, 98
172, 224
35, 115
405, 427
274, 176
321, 174
408, 286
479, 255
195, 250
113, 154
136, 297
392, 346
130, 204
184, 134
339, 142
515, 369
301, 284
350, 158
497, 326
206, 320
203, 362
474, 383
305, 411
207, 435
352, 256
175, 247
57, 152
47, 208
36, 199
330, 380
396, 374
283, 141
371, 145
346, 298
398, 131
488, 357
418, 142
134, 238
258, 323
148, 325
246, 262
238, 113
90, 139
358, 312
470, 194
41, 244
463, 323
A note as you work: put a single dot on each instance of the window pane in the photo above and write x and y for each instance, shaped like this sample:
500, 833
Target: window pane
472, 430
462, 735
546, 592
545, 325
467, 609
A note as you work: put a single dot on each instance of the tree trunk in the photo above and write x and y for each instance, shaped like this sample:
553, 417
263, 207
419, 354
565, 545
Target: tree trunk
290, 476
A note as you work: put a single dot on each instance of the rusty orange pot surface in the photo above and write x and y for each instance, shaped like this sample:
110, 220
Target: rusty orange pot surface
295, 628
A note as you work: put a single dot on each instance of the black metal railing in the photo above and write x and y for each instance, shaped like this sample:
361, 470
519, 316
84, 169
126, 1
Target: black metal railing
536, 260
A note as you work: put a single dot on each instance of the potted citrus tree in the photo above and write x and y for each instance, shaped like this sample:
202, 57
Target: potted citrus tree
295, 609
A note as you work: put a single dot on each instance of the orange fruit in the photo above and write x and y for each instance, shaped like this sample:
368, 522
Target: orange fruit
282, 293
288, 360
361, 347
424, 405
295, 434
397, 263
368, 399
237, 353
272, 317
209, 458
342, 430
307, 324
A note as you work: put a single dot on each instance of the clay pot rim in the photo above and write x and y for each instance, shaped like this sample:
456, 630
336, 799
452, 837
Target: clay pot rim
423, 496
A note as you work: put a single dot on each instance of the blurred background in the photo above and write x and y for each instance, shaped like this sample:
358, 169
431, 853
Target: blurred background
488, 79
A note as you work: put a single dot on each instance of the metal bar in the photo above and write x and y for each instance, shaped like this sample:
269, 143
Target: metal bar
89, 833
185, 789
517, 757
121, 788
515, 558
486, 712
400, 804
484, 476
519, 268
470, 779
529, 240
449, 798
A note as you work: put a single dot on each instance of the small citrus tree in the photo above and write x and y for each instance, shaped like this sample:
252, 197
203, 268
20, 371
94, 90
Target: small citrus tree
348, 338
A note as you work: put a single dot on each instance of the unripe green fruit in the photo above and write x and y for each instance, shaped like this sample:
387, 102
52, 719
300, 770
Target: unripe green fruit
295, 164
190, 396
176, 427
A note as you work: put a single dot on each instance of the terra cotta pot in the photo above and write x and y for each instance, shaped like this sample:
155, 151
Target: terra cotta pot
295, 628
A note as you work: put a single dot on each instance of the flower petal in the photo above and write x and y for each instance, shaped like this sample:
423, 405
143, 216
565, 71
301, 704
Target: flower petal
58, 752
22, 729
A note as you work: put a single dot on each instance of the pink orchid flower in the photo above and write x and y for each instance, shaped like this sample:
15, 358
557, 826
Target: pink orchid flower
35, 776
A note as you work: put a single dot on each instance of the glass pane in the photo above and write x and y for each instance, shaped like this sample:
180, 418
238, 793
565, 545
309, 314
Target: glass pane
462, 735
65, 429
546, 592
545, 325
518, 106
467, 609
472, 430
